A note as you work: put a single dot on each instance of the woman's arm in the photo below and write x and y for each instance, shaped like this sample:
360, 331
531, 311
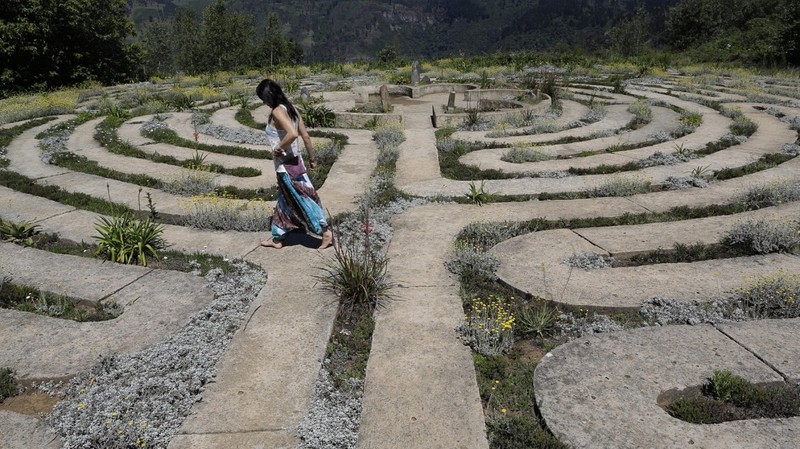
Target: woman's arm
301, 128
283, 122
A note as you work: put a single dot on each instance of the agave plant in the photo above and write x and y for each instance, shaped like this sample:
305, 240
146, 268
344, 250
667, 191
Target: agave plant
21, 233
124, 239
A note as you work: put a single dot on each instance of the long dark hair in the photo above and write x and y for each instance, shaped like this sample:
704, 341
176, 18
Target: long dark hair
272, 95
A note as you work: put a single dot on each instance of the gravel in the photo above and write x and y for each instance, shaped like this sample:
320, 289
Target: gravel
141, 399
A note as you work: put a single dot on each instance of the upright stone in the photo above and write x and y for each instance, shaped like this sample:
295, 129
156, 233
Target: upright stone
451, 101
415, 73
304, 95
385, 104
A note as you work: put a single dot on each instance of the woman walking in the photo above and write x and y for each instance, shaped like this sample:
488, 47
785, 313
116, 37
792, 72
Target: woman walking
299, 206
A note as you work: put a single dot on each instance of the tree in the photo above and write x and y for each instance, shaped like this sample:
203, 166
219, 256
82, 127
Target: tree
630, 37
157, 42
276, 48
186, 42
49, 43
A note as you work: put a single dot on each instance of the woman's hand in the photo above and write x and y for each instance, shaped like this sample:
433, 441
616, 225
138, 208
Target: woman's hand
312, 163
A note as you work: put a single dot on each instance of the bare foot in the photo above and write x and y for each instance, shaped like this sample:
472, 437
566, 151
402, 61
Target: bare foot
327, 239
272, 243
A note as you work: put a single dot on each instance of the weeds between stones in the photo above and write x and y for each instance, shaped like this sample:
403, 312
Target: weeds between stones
30, 299
8, 384
728, 397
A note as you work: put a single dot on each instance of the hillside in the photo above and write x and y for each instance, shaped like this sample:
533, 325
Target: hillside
344, 30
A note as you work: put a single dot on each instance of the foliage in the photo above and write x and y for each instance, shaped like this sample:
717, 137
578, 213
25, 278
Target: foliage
642, 113
21, 233
771, 296
764, 236
488, 326
192, 182
537, 318
317, 116
29, 299
8, 384
220, 211
728, 397
769, 194
53, 43
519, 155
23, 184
621, 186
124, 239
477, 193
357, 275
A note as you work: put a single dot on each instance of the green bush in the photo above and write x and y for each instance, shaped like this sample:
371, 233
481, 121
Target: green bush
769, 194
771, 296
318, 116
124, 239
21, 233
518, 155
357, 276
764, 237
8, 384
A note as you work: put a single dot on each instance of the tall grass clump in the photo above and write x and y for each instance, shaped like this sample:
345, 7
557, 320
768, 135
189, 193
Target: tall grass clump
519, 155
8, 384
23, 107
221, 212
769, 194
642, 114
764, 236
357, 274
124, 239
621, 186
191, 183
771, 295
488, 326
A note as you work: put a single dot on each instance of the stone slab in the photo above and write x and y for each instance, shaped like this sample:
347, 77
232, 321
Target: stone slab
619, 240
79, 277
611, 402
533, 263
421, 390
772, 340
266, 377
17, 207
270, 439
156, 305
19, 431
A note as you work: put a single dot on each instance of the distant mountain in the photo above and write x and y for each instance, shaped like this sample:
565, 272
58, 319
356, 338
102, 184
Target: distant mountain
342, 30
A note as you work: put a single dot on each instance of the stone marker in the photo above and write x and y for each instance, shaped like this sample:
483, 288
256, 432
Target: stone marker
433, 116
304, 95
415, 73
385, 104
451, 101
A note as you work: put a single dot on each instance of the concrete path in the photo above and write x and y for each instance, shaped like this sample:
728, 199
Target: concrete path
421, 390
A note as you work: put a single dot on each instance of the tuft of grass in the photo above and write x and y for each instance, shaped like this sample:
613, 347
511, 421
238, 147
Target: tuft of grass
621, 186
727, 397
771, 296
357, 276
518, 155
8, 384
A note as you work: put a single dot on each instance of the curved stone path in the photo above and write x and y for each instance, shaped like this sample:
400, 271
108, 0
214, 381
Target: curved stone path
421, 390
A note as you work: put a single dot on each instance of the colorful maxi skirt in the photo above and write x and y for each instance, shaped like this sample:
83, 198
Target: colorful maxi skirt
299, 207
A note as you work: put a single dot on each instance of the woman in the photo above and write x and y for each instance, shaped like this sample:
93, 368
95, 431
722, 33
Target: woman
298, 205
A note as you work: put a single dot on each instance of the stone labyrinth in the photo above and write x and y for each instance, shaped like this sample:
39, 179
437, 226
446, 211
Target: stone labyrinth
595, 391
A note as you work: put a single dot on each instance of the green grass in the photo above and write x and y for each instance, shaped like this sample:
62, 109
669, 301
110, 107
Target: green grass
728, 397
26, 298
765, 162
8, 384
